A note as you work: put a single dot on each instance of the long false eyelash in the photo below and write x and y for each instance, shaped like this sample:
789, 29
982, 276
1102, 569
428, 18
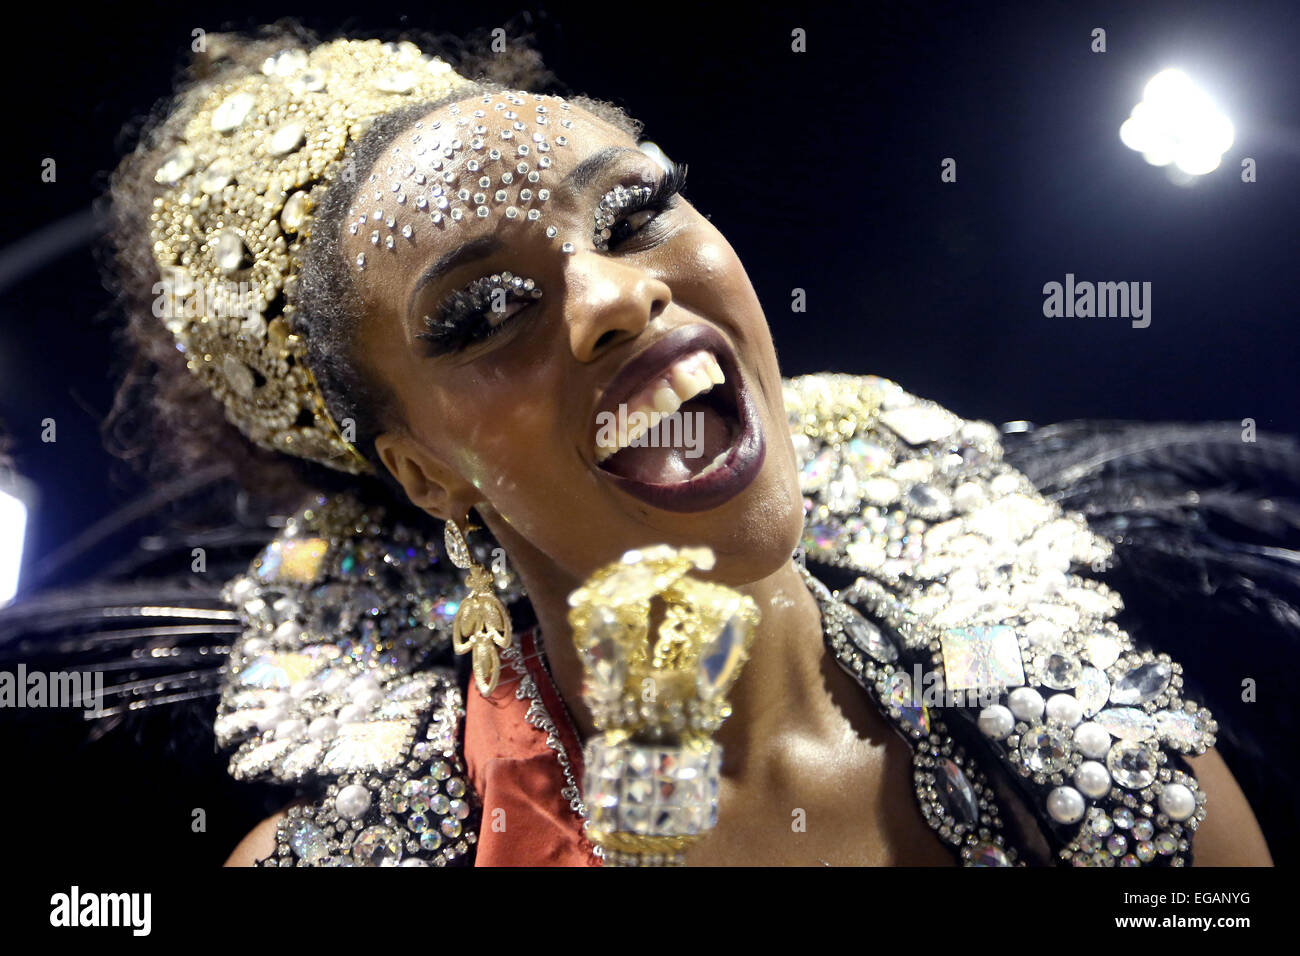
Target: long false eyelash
670, 184
463, 318
622, 201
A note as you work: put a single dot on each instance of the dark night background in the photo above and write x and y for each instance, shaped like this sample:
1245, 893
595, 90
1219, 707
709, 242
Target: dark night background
821, 168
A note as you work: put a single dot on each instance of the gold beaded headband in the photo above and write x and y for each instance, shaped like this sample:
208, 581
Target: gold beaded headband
232, 222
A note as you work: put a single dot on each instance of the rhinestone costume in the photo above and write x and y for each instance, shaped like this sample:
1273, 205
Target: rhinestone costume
968, 619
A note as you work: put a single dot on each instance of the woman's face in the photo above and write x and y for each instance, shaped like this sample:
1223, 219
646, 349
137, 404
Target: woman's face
526, 405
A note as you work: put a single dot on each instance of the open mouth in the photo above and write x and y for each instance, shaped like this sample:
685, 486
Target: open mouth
678, 428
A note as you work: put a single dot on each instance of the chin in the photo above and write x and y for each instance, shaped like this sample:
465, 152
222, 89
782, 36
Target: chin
756, 534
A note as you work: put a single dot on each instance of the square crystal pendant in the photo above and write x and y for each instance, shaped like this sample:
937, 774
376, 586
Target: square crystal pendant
978, 657
659, 791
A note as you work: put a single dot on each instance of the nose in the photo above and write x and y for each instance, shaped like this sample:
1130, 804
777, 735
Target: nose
607, 302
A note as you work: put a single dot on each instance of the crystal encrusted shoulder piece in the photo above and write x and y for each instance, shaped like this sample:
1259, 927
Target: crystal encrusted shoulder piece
421, 813
977, 582
341, 683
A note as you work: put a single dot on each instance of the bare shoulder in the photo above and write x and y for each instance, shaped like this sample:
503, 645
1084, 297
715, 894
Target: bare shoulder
1230, 835
260, 842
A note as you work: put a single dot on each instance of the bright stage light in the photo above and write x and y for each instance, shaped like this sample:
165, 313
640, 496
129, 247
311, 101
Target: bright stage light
13, 530
1176, 122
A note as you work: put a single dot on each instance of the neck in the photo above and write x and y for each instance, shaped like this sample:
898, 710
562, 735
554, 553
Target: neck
781, 690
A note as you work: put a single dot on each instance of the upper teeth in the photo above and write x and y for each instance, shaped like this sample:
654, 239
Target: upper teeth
689, 376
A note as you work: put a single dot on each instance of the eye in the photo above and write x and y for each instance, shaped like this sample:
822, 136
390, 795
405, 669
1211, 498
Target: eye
625, 210
477, 312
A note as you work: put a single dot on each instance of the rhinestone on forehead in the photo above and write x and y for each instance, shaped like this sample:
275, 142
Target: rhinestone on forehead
487, 176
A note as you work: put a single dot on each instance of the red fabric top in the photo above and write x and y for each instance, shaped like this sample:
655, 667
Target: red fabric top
526, 822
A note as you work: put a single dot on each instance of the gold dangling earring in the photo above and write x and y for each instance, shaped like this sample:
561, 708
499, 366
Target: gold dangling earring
482, 622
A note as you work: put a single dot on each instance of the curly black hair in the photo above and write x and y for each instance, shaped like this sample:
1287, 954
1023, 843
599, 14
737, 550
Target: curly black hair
163, 417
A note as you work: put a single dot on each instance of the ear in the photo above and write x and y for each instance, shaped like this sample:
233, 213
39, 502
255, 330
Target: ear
430, 483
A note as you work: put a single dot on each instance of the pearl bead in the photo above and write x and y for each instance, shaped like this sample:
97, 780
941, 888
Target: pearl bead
996, 721
1052, 581
1177, 801
334, 683
1093, 779
1043, 633
1065, 709
290, 727
322, 728
271, 718
352, 713
288, 632
1026, 703
352, 801
303, 688
1092, 739
254, 646
362, 684
1065, 805
368, 697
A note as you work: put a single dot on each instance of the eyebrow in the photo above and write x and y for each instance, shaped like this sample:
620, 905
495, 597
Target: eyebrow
582, 175
470, 251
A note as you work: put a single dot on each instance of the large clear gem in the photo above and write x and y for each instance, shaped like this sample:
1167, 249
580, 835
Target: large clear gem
308, 842
868, 638
1044, 750
814, 475
956, 793
287, 138
285, 63
604, 657
177, 163
1141, 684
1061, 671
907, 705
989, 854
1132, 764
1126, 723
1093, 690
843, 494
880, 490
277, 671
377, 846
721, 657
918, 424
295, 211
608, 670
398, 81
230, 252
1179, 729
975, 657
376, 745
867, 457
308, 81
1102, 649
929, 500
239, 375
232, 112
217, 176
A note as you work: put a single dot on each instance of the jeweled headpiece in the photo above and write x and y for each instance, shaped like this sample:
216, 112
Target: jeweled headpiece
231, 225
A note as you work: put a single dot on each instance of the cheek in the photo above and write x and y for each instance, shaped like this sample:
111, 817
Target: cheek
712, 274
497, 435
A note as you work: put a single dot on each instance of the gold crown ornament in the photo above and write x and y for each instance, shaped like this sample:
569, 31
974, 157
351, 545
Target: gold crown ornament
651, 776
234, 216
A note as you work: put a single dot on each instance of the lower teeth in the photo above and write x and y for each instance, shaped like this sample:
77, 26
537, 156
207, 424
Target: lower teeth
714, 465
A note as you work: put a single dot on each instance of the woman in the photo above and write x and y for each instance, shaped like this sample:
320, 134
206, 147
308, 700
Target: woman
460, 297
